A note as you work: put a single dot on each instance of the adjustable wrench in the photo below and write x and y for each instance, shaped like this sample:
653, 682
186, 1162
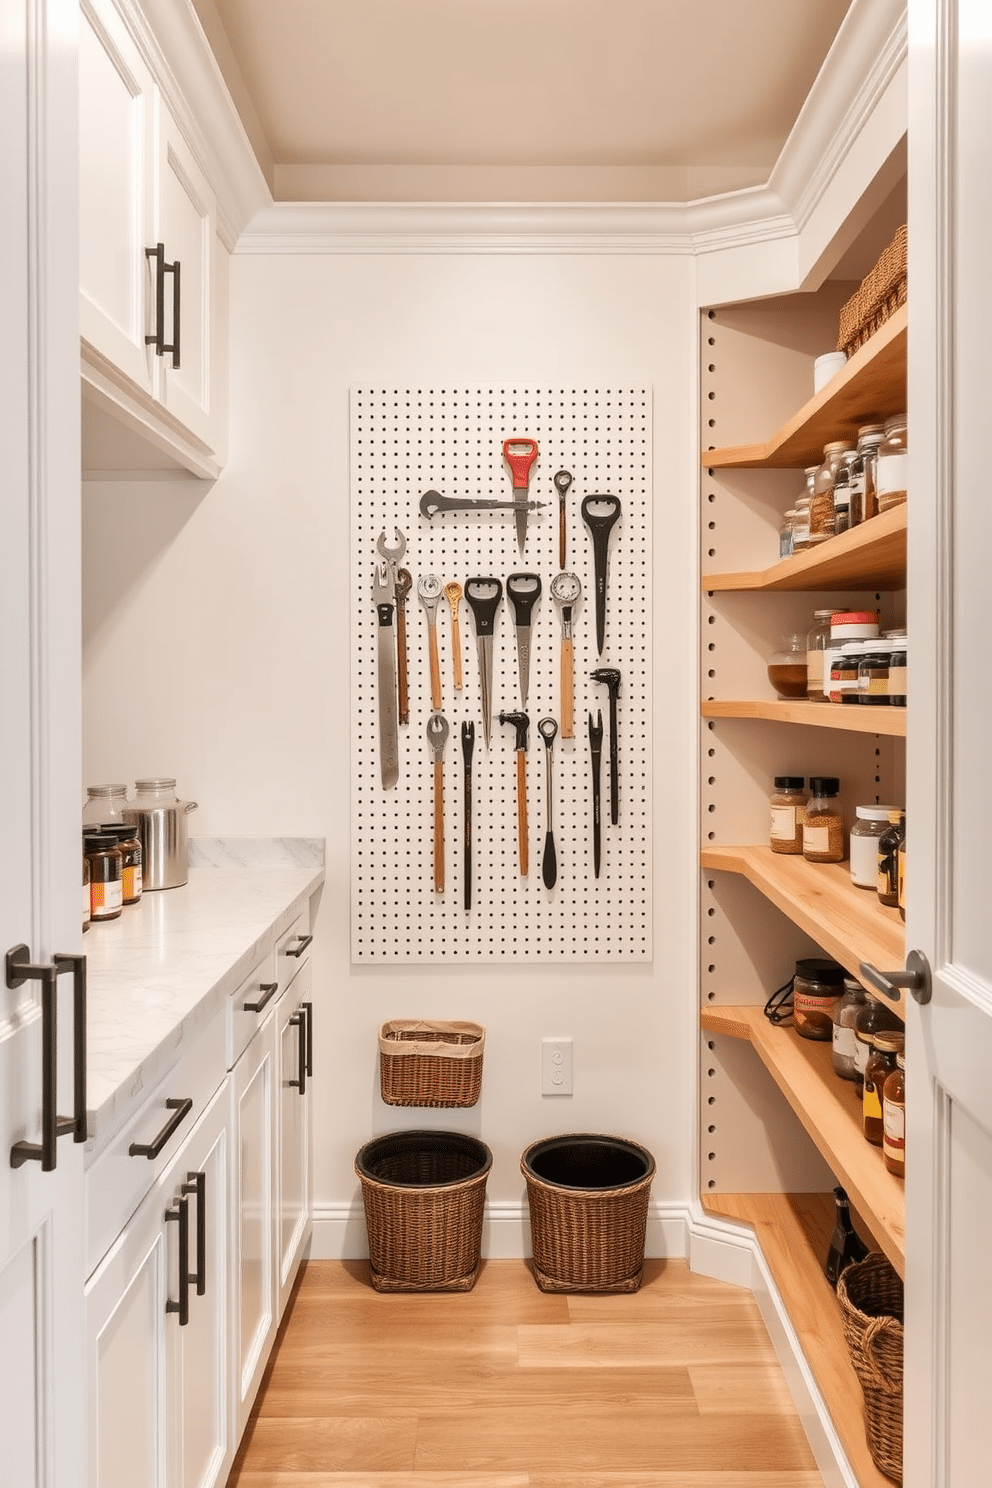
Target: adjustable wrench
600, 514
521, 723
389, 750
429, 590
437, 735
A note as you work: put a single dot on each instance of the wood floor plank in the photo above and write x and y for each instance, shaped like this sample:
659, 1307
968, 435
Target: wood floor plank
763, 1478
399, 1480
727, 1387
606, 1345
321, 1444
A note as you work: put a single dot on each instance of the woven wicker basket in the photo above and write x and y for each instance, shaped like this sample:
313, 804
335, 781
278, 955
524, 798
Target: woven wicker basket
424, 1194
588, 1198
870, 1294
877, 298
423, 1063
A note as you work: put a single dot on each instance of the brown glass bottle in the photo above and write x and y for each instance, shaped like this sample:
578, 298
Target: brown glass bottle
874, 1017
894, 1119
880, 1065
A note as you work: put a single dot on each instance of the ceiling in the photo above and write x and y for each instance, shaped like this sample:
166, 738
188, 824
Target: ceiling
518, 100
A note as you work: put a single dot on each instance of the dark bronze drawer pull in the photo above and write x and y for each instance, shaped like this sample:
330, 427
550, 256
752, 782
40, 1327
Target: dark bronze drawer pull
152, 1149
304, 942
270, 989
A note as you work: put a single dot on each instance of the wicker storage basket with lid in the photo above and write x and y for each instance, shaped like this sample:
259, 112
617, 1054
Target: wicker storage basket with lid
424, 1194
588, 1198
877, 298
428, 1063
870, 1294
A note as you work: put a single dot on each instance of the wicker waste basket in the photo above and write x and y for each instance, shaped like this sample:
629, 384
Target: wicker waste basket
588, 1198
424, 1194
870, 1294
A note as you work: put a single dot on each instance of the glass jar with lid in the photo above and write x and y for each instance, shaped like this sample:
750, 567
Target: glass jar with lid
873, 1018
887, 880
871, 822
847, 625
844, 672
800, 525
788, 812
786, 533
104, 803
130, 849
852, 1000
823, 829
894, 1118
893, 462
787, 667
873, 674
864, 498
817, 988
881, 1063
106, 875
817, 642
842, 491
897, 671
821, 514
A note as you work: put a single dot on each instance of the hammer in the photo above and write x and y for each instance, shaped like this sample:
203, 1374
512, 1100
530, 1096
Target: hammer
611, 677
521, 723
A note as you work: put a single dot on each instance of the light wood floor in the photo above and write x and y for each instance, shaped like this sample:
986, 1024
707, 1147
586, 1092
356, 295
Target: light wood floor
506, 1387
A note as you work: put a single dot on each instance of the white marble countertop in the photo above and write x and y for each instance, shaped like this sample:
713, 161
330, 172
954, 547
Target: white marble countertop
156, 975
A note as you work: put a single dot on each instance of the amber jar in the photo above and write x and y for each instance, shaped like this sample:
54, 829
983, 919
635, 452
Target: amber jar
881, 1064
86, 890
894, 1118
823, 829
106, 876
888, 860
788, 812
131, 863
874, 1017
817, 988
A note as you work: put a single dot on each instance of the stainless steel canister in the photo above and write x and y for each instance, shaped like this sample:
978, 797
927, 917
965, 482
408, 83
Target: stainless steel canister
162, 829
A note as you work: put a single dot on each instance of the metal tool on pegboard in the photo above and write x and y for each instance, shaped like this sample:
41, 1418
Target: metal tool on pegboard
521, 723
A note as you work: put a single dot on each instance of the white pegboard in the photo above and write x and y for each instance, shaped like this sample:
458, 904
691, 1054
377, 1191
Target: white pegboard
408, 441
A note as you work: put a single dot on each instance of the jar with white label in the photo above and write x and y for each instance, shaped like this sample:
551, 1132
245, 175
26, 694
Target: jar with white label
106, 875
847, 625
823, 829
845, 1043
788, 809
893, 462
817, 988
897, 671
864, 475
870, 823
800, 525
817, 642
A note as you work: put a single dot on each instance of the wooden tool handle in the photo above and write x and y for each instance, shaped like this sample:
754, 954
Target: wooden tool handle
435, 670
456, 651
567, 689
438, 827
561, 535
402, 688
522, 811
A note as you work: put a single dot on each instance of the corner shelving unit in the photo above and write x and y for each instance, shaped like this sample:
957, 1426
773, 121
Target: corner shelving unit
818, 900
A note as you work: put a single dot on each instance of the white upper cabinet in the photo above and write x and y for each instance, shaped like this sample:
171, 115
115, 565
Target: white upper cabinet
147, 314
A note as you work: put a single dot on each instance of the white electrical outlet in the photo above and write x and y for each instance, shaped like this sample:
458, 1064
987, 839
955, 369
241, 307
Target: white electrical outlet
556, 1066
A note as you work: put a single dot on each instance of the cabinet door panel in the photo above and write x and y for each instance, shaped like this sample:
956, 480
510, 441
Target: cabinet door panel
186, 213
253, 1216
115, 93
294, 1137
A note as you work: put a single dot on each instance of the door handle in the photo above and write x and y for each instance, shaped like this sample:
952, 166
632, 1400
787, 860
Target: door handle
299, 1022
19, 969
180, 1215
915, 978
157, 339
196, 1183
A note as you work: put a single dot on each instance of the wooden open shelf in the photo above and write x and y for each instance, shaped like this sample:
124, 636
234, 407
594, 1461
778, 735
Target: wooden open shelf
830, 1110
847, 922
870, 556
793, 1231
888, 721
870, 389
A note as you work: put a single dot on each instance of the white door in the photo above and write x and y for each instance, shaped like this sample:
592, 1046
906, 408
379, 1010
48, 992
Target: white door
949, 809
42, 1397
253, 1299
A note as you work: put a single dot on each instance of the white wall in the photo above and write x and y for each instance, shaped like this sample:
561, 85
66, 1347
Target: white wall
216, 649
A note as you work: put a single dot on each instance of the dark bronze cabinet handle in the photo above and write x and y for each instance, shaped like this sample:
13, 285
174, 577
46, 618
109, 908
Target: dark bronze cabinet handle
180, 1215
270, 989
152, 1149
299, 1022
308, 1009
196, 1183
304, 941
19, 969
158, 338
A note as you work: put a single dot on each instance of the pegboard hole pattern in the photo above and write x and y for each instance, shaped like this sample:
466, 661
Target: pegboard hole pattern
405, 442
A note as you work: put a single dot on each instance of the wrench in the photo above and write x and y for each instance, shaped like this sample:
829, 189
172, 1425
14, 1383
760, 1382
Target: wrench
389, 752
404, 583
437, 735
548, 728
521, 723
453, 594
433, 502
563, 481
429, 590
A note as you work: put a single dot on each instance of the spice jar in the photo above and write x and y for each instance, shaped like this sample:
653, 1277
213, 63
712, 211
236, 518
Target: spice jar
844, 674
881, 1063
800, 527
787, 667
852, 1000
788, 807
871, 823
816, 991
887, 861
864, 498
104, 803
894, 1118
874, 1017
842, 491
823, 829
817, 642
131, 863
786, 534
893, 460
873, 674
897, 671
845, 626
821, 512
106, 883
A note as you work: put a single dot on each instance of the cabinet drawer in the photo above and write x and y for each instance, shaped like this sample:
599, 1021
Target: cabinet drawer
293, 949
250, 1005
119, 1179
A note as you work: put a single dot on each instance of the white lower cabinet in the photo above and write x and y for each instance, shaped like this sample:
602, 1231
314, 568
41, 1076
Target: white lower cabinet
156, 1325
294, 1040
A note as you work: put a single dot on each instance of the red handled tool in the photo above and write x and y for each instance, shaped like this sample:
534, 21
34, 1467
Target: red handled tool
520, 455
